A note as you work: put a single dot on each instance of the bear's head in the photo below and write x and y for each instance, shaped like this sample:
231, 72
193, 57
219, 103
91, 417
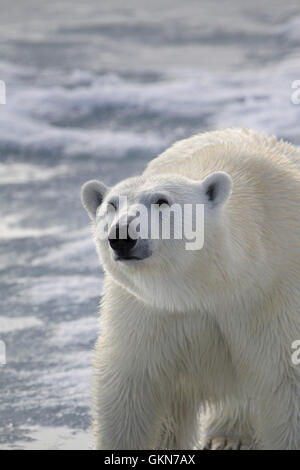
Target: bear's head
159, 236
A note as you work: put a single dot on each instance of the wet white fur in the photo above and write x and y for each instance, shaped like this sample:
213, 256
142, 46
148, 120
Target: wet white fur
202, 340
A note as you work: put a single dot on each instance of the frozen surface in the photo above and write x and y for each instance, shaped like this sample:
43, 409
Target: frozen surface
96, 89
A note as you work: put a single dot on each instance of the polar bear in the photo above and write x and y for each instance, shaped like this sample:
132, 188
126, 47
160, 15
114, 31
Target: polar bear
195, 349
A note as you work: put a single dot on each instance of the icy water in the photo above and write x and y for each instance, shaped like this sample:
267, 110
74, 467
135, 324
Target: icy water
96, 89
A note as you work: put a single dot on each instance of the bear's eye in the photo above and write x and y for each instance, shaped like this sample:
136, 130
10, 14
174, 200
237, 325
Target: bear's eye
161, 201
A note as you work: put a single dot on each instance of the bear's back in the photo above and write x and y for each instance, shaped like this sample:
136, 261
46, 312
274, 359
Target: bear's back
226, 150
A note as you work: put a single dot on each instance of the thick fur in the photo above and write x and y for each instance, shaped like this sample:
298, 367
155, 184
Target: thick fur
196, 346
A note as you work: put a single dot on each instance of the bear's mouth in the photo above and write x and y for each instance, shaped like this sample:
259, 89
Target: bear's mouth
132, 259
128, 258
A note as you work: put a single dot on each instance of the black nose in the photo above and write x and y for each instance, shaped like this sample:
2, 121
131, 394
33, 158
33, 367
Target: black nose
122, 246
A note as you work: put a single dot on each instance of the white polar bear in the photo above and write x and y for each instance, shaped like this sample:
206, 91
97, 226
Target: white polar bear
199, 343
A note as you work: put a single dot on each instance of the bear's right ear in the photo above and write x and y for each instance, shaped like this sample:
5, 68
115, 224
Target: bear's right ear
217, 188
92, 195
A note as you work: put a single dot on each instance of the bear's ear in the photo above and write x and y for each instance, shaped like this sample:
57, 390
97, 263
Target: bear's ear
92, 195
217, 188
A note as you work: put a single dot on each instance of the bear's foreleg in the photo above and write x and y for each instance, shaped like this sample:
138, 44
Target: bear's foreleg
126, 408
228, 426
180, 426
278, 423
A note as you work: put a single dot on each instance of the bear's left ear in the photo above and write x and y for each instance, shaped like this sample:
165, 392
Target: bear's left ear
217, 188
92, 195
